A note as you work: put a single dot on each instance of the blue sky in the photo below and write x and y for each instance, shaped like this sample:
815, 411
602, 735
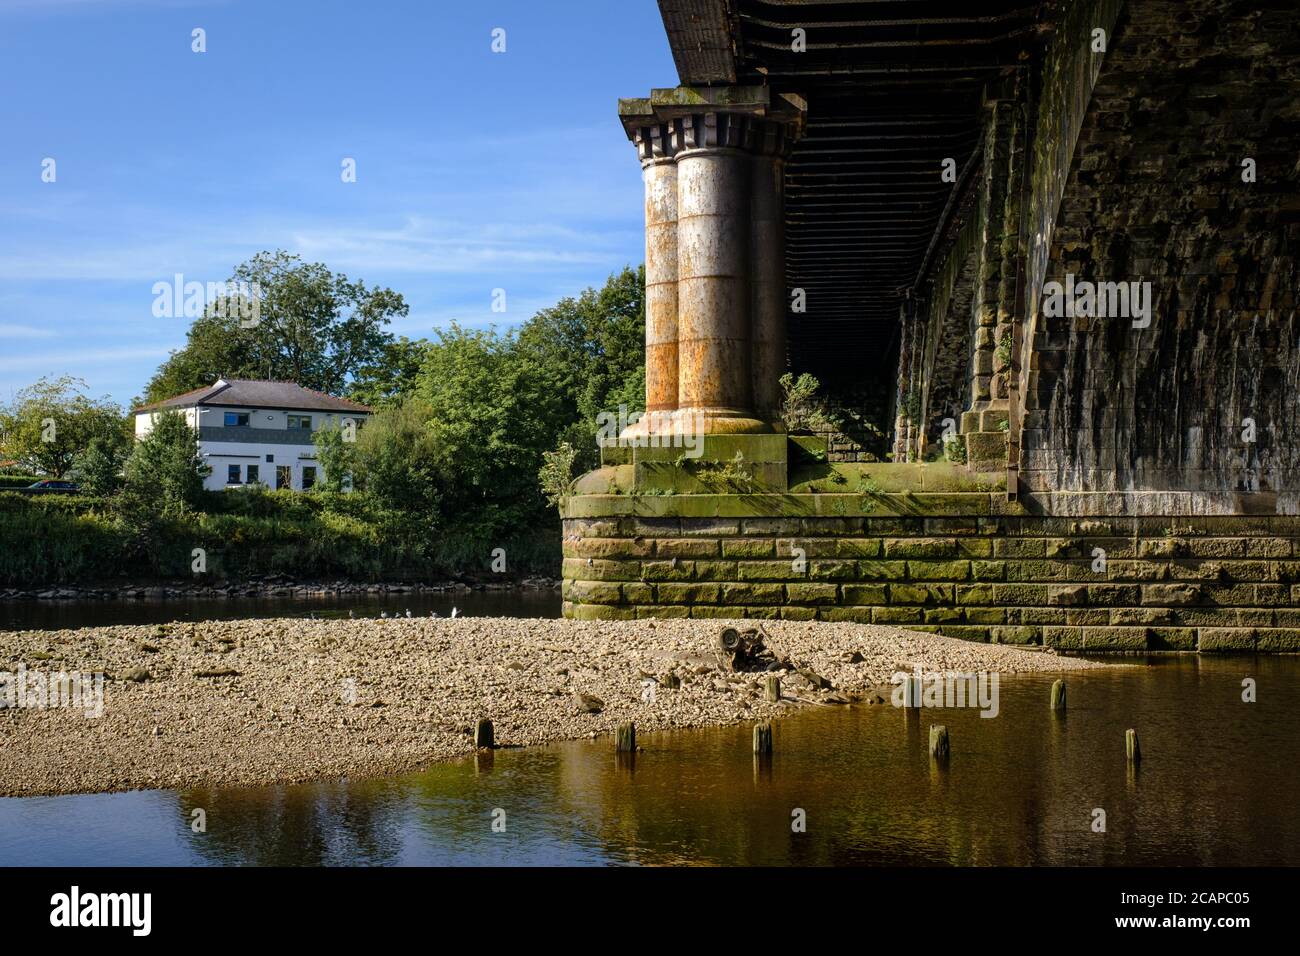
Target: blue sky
475, 170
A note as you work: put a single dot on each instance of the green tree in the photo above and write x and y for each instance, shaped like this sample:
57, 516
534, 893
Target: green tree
387, 381
164, 474
591, 350
397, 460
51, 422
311, 326
493, 411
336, 452
98, 469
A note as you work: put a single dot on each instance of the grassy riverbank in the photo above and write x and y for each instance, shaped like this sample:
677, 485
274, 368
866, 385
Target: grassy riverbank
241, 703
48, 540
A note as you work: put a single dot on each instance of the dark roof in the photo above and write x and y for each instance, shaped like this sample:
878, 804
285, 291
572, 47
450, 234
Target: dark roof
248, 393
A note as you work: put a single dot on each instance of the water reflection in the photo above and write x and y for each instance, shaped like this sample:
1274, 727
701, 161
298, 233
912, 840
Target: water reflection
1215, 787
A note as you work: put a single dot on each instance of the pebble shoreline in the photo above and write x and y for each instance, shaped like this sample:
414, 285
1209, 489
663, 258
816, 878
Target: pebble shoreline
360, 698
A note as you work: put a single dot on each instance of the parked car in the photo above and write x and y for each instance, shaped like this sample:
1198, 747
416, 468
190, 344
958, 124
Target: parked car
52, 487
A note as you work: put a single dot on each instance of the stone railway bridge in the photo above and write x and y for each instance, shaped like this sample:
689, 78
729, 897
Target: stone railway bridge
1046, 248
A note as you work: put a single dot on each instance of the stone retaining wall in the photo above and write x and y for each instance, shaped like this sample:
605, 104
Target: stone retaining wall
1212, 583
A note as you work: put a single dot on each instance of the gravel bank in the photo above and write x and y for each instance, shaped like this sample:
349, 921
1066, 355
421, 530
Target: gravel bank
301, 700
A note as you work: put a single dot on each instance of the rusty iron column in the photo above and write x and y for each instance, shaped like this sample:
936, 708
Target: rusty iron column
726, 149
658, 146
714, 324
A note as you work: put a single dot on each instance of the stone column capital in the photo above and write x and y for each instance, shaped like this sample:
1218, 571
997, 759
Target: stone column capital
747, 118
752, 134
658, 142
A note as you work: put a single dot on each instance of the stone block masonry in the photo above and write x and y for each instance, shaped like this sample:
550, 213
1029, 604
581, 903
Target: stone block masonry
936, 562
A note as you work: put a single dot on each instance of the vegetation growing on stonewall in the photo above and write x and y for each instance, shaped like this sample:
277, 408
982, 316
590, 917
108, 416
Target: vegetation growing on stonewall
446, 470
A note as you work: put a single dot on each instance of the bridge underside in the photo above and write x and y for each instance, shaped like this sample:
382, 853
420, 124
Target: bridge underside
892, 90
1041, 257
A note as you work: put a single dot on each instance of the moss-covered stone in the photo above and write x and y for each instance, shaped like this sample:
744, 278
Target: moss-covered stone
748, 548
921, 548
865, 594
921, 594
938, 570
811, 593
677, 593
744, 594
897, 615
1010, 577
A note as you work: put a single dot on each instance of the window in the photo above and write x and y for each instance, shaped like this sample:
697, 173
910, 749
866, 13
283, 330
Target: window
236, 419
300, 421
232, 474
308, 476
270, 459
252, 475
283, 476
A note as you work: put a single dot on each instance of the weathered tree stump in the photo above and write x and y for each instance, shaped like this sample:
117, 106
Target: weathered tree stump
939, 746
739, 651
625, 738
1058, 696
1131, 746
772, 686
763, 738
483, 734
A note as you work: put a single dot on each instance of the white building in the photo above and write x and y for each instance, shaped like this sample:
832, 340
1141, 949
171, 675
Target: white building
252, 431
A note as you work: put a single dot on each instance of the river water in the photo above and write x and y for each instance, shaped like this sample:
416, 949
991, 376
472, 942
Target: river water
52, 615
1217, 785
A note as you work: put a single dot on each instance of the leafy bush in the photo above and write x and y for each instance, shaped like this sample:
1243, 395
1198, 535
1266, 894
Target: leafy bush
556, 473
98, 469
802, 409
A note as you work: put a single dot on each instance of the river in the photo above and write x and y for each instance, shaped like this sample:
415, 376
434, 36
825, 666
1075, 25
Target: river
1217, 785
55, 614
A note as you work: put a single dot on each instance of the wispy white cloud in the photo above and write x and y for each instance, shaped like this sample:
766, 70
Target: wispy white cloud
59, 362
12, 330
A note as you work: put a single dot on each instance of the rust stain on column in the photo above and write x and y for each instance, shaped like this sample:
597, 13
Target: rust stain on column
713, 299
660, 285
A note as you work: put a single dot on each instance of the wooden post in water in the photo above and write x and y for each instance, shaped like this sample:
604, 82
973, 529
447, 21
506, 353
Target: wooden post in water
912, 693
939, 742
763, 738
773, 688
1058, 696
483, 734
1131, 746
625, 738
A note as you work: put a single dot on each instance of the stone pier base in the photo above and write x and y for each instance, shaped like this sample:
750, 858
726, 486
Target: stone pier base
933, 548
